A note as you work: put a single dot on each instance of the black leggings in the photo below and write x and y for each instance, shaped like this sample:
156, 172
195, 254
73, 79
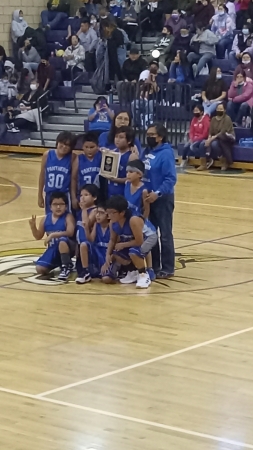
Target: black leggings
23, 123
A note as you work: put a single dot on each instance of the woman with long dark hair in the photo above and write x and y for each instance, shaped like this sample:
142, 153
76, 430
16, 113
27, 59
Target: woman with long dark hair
100, 116
214, 91
2, 60
115, 40
122, 119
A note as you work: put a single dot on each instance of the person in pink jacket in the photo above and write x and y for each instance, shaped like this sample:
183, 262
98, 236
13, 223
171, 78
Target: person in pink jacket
240, 96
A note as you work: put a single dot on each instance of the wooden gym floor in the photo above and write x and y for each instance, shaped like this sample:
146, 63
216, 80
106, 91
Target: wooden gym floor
112, 368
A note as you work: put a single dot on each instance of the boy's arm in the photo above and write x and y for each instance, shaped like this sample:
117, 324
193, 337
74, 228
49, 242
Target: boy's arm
112, 242
91, 235
73, 186
70, 230
146, 205
39, 232
42, 180
136, 225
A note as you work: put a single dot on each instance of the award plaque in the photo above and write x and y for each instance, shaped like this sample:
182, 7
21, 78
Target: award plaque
110, 164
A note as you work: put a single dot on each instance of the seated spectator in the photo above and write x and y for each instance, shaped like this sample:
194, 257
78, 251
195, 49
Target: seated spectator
18, 27
29, 56
46, 75
37, 40
199, 131
25, 116
23, 85
129, 19
240, 96
250, 12
2, 60
246, 66
57, 10
122, 119
220, 140
94, 23
100, 116
182, 41
214, 91
115, 9
242, 43
4, 86
202, 49
154, 13
75, 23
9, 67
164, 44
223, 26
177, 75
89, 40
132, 67
231, 9
74, 56
176, 22
92, 8
242, 14
104, 14
203, 11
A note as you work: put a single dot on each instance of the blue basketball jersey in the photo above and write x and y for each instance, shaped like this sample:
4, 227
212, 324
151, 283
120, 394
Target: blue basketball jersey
58, 172
135, 199
88, 171
102, 238
59, 225
80, 231
125, 233
118, 188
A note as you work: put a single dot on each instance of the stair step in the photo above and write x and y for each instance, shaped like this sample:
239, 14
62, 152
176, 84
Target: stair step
62, 127
85, 104
68, 110
74, 119
87, 88
148, 39
48, 135
36, 143
87, 96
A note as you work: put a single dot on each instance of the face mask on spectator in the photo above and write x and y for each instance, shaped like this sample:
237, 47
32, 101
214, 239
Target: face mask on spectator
245, 31
221, 13
197, 114
20, 18
218, 76
151, 141
93, 21
184, 34
246, 61
219, 113
33, 87
28, 47
175, 16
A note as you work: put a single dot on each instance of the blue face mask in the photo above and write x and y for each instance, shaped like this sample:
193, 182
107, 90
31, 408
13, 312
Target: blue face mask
221, 13
245, 31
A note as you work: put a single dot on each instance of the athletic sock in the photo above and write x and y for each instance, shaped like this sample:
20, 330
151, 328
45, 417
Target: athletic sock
85, 270
129, 268
65, 259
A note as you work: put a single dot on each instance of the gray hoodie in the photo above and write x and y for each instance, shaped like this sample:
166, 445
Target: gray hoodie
28, 56
18, 26
207, 40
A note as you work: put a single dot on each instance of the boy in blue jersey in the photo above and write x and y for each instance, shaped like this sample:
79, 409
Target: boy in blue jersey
86, 167
131, 238
56, 166
124, 142
59, 226
93, 251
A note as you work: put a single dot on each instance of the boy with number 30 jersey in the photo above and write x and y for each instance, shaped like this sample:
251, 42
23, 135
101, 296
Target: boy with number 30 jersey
56, 166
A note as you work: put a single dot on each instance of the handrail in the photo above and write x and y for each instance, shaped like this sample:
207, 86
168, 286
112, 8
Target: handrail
40, 111
73, 82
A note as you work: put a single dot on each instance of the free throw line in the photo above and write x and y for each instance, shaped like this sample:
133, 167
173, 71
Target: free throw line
143, 363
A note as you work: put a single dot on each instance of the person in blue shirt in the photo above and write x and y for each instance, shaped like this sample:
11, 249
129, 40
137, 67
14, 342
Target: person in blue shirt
115, 8
59, 226
124, 143
100, 116
177, 75
160, 179
56, 167
131, 239
86, 167
106, 140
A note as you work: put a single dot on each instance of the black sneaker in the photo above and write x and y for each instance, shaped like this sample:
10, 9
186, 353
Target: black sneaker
164, 275
65, 272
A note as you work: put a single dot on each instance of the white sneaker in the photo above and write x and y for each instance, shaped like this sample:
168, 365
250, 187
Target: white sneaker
183, 163
143, 281
83, 278
177, 104
131, 277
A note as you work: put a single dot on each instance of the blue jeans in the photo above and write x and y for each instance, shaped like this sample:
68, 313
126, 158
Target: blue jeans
237, 111
201, 60
195, 149
215, 149
142, 111
30, 66
52, 18
233, 61
224, 44
209, 109
161, 215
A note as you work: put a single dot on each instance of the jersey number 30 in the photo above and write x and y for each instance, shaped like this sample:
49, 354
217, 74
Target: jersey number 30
55, 181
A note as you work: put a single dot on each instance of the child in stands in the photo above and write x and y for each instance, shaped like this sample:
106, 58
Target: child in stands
124, 141
131, 239
93, 251
86, 167
86, 215
55, 173
59, 226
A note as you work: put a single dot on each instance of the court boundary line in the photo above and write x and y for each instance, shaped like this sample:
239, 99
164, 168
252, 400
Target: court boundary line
18, 220
148, 423
143, 363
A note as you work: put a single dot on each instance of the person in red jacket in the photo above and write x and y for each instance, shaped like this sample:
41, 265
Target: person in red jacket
199, 130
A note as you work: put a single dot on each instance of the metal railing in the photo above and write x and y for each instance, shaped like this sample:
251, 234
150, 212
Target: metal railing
73, 80
41, 110
170, 104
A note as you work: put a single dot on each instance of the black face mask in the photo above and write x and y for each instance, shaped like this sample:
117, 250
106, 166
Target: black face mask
28, 47
219, 113
196, 114
151, 141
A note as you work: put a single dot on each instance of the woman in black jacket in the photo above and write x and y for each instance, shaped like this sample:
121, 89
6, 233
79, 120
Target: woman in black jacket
115, 39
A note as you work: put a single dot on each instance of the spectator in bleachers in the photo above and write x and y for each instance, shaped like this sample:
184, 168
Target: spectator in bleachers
231, 9
92, 8
94, 23
143, 106
223, 26
2, 60
104, 14
242, 14
57, 10
29, 56
203, 11
246, 66
176, 22
132, 67
37, 40
89, 40
115, 8
220, 140
240, 96
177, 75
115, 40
203, 49
129, 19
198, 133
122, 119
100, 116
241, 43
74, 56
18, 27
24, 82
75, 24
214, 91
182, 41
46, 75
4, 86
250, 12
